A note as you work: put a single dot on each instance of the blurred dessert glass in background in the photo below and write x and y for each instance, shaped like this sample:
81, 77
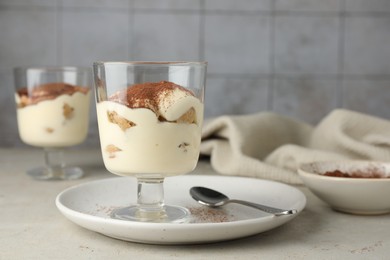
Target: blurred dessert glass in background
53, 113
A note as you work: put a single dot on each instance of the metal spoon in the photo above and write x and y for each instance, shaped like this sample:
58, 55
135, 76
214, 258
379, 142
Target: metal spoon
213, 198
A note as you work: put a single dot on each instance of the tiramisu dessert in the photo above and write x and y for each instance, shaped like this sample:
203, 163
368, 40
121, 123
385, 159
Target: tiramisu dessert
151, 128
53, 114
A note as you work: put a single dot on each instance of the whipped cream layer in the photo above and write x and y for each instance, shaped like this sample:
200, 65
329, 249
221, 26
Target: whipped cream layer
137, 141
56, 121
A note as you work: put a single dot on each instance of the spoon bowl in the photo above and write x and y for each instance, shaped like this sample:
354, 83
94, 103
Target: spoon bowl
213, 198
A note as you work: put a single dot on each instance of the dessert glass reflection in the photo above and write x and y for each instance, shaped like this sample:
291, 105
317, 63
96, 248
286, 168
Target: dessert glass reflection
150, 116
53, 113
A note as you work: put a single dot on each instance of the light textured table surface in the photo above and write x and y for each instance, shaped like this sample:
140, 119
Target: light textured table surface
31, 227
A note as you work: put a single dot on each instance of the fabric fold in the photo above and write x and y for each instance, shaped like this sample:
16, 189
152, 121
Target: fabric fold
270, 146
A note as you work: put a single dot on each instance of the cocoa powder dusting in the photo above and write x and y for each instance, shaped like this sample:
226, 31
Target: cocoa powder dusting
151, 95
210, 215
145, 95
356, 174
47, 92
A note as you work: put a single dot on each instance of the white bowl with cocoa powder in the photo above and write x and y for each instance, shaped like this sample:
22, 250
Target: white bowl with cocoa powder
356, 187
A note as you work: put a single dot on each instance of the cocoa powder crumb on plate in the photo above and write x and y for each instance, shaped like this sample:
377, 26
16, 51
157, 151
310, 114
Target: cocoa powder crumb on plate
210, 215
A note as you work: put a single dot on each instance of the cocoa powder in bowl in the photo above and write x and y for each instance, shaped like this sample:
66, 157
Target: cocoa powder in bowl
369, 174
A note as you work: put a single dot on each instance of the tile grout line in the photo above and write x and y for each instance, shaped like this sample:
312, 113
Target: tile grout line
299, 76
271, 61
340, 54
59, 59
202, 35
272, 11
130, 30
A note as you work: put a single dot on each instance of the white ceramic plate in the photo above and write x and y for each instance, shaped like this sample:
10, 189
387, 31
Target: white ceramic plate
89, 205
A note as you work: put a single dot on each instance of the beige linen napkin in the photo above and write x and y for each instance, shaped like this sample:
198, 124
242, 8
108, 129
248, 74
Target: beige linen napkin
271, 146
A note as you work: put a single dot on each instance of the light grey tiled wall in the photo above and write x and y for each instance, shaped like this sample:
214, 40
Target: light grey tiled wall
300, 58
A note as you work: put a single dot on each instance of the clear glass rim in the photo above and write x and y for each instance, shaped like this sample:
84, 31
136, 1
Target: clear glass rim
53, 68
152, 63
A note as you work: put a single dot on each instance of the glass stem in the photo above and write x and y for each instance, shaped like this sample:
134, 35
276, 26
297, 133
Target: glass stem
54, 161
150, 198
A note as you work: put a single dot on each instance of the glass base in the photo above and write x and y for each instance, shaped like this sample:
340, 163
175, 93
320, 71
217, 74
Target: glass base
170, 214
60, 173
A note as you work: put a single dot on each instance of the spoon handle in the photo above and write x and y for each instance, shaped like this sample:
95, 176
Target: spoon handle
271, 210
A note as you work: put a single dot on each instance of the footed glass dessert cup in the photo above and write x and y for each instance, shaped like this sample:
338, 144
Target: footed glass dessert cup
150, 116
52, 105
